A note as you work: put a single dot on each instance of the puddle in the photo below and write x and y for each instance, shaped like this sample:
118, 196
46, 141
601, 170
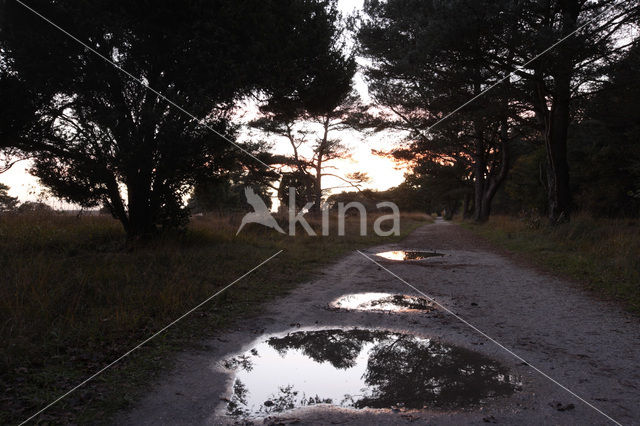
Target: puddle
409, 254
386, 302
356, 368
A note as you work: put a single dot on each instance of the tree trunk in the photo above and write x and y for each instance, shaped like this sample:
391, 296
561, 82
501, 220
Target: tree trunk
141, 225
141, 221
451, 209
487, 187
317, 199
115, 203
557, 123
479, 167
479, 190
143, 206
559, 194
317, 202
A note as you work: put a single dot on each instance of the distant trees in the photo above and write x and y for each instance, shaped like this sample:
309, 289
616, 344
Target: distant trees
7, 202
34, 207
448, 186
525, 187
97, 136
407, 198
435, 193
221, 194
11, 204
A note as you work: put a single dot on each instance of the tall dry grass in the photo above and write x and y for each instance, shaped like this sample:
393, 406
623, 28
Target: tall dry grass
602, 253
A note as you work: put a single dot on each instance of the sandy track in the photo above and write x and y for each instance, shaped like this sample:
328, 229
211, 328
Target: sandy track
589, 345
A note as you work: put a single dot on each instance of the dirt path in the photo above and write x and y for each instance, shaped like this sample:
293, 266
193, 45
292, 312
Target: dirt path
590, 346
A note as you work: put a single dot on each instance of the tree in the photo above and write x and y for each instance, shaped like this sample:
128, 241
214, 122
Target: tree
303, 184
326, 102
446, 183
481, 42
409, 198
591, 32
428, 58
7, 202
223, 189
560, 87
526, 186
98, 136
604, 151
16, 111
33, 207
222, 195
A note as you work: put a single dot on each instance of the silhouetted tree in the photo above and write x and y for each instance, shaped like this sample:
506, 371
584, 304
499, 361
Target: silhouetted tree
98, 136
526, 185
602, 149
565, 73
303, 184
429, 58
16, 113
34, 207
325, 102
604, 145
7, 202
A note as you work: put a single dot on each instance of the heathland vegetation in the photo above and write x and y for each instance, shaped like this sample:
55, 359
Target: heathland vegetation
603, 254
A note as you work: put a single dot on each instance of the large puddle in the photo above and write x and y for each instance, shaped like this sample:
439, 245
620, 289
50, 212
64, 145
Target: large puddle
356, 368
409, 254
384, 302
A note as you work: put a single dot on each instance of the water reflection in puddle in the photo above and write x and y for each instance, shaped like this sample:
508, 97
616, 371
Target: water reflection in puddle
382, 302
409, 254
355, 368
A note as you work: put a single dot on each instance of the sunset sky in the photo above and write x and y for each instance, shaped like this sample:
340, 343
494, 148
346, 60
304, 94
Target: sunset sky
383, 172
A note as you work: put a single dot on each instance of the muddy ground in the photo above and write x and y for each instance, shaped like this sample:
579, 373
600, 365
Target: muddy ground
589, 345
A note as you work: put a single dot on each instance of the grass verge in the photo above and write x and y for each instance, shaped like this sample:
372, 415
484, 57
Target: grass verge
602, 253
74, 297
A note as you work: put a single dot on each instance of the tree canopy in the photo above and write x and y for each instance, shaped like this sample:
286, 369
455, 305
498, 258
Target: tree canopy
309, 117
98, 136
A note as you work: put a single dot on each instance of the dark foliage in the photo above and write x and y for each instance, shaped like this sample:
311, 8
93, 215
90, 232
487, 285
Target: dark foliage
7, 202
97, 136
430, 58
